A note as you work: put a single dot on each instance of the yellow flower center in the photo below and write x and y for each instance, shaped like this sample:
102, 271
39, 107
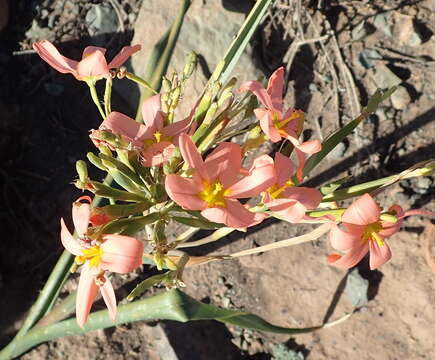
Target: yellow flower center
275, 191
93, 255
279, 124
158, 137
371, 232
213, 194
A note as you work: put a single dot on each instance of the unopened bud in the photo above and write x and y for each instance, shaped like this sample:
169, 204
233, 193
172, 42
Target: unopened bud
96, 161
121, 72
166, 84
82, 170
175, 97
191, 62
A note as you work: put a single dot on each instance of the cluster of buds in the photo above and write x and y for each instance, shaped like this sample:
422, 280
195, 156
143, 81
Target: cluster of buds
190, 172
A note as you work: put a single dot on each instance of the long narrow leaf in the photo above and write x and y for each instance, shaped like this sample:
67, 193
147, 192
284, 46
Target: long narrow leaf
171, 305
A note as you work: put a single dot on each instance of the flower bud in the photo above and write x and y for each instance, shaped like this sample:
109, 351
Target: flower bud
191, 62
82, 170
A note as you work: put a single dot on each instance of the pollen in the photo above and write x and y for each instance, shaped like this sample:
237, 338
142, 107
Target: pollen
276, 191
93, 255
214, 194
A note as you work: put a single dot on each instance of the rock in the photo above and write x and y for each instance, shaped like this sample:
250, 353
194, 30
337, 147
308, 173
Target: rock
362, 30
400, 98
208, 29
423, 185
405, 33
383, 22
101, 19
367, 56
356, 288
282, 352
36, 33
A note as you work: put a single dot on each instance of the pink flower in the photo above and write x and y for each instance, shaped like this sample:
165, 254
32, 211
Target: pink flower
277, 124
156, 141
366, 231
286, 200
93, 65
216, 184
116, 253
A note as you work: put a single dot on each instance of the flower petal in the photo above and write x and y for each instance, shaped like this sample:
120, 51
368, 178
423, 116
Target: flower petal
48, 52
234, 215
152, 114
185, 192
86, 293
308, 197
287, 209
351, 258
284, 168
344, 240
266, 124
224, 163
125, 126
259, 91
158, 154
121, 254
123, 56
176, 128
275, 88
379, 255
89, 50
261, 176
109, 298
94, 65
363, 211
192, 156
81, 214
68, 240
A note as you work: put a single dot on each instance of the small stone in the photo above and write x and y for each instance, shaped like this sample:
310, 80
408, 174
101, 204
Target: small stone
101, 19
313, 87
384, 77
404, 30
36, 33
383, 22
356, 288
282, 352
367, 56
400, 98
423, 184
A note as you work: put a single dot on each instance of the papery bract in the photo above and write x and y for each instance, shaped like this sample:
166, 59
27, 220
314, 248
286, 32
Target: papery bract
156, 141
115, 253
276, 123
289, 202
93, 65
366, 232
218, 182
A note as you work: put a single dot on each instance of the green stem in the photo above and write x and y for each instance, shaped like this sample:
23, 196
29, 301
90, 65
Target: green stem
108, 95
95, 98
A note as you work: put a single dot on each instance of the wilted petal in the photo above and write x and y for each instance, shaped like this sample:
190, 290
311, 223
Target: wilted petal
192, 156
284, 168
363, 211
121, 254
158, 154
81, 213
379, 255
266, 124
109, 298
48, 52
93, 65
351, 258
86, 293
275, 88
344, 240
151, 114
125, 126
89, 50
123, 56
68, 240
261, 176
259, 91
185, 192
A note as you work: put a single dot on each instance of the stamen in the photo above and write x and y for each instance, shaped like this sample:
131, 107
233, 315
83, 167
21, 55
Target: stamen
213, 194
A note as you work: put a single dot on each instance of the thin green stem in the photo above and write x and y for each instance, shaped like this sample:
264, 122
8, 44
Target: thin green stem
95, 98
108, 95
140, 81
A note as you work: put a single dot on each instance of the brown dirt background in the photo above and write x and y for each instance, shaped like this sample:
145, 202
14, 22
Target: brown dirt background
43, 136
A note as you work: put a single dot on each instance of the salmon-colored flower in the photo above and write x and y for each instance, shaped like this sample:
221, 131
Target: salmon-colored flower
366, 231
288, 201
156, 141
115, 253
93, 65
218, 182
276, 123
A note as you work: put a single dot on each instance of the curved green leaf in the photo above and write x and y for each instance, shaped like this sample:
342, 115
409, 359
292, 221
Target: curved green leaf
171, 305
